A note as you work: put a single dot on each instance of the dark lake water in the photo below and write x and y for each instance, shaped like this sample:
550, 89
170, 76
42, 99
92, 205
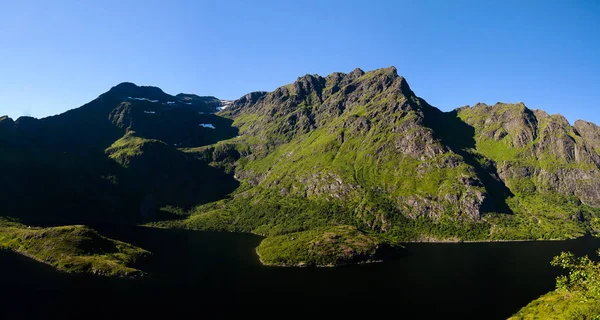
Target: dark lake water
215, 275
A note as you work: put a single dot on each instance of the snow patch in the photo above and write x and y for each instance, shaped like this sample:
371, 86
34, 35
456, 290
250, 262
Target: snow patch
207, 125
142, 99
150, 112
188, 103
170, 102
225, 104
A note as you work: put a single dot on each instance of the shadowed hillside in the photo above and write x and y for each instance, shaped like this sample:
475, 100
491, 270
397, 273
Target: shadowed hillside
85, 166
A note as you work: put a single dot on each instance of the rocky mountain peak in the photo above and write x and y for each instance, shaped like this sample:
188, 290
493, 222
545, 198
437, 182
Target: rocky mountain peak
590, 132
6, 123
5, 119
125, 86
335, 78
307, 84
404, 87
128, 89
26, 122
356, 73
583, 123
480, 105
587, 129
252, 97
391, 70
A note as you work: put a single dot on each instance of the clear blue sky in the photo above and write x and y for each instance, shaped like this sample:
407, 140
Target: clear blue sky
58, 55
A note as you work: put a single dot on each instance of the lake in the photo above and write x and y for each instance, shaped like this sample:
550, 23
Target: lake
201, 274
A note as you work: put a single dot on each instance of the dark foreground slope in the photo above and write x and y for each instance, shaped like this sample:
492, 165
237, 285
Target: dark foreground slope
577, 294
114, 160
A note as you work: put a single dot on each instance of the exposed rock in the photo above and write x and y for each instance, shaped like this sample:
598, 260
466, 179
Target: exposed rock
7, 127
553, 156
354, 106
6, 122
589, 132
27, 123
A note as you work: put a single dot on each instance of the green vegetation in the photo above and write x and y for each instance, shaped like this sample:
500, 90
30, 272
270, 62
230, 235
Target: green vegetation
263, 213
392, 164
358, 149
560, 306
319, 247
72, 249
543, 218
130, 147
577, 294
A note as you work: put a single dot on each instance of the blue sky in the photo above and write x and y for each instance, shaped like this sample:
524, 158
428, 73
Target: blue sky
58, 55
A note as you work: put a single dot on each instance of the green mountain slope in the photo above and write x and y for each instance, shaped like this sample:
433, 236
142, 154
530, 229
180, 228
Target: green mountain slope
357, 151
551, 167
362, 149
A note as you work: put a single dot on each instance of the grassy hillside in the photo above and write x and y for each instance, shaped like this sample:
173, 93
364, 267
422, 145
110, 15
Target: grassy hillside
357, 149
577, 295
559, 306
551, 170
361, 149
72, 249
319, 247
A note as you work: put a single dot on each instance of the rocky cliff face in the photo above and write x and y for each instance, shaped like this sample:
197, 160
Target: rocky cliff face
544, 151
366, 141
589, 132
353, 136
355, 149
7, 128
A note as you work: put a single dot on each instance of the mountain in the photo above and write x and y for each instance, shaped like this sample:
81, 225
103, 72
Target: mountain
361, 149
538, 153
115, 159
331, 169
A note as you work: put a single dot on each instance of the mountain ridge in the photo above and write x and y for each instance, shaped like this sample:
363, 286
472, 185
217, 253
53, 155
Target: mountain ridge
347, 151
329, 170
307, 104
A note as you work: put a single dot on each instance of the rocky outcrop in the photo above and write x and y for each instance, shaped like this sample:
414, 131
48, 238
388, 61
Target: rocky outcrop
122, 116
27, 124
589, 132
373, 118
537, 152
7, 128
6, 123
323, 247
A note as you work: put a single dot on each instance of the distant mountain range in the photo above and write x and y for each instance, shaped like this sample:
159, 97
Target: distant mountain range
346, 164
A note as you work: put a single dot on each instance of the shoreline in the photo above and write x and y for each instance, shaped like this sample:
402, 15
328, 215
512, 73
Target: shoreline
133, 275
304, 265
486, 241
433, 240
